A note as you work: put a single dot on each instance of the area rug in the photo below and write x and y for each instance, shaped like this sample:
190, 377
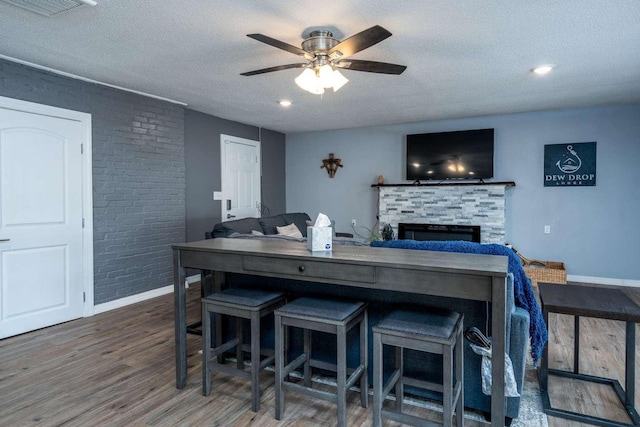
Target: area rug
531, 411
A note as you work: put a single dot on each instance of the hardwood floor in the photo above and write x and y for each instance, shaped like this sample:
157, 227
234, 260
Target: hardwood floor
602, 354
117, 368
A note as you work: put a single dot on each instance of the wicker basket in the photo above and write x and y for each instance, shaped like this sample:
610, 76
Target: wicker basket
549, 272
543, 271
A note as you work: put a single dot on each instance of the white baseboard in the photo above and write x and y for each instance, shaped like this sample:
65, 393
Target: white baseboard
122, 302
193, 279
604, 281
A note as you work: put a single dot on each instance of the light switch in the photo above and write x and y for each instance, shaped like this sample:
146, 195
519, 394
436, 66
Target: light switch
217, 195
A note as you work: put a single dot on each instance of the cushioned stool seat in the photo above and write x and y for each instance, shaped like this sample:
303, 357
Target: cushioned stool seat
436, 331
335, 317
242, 304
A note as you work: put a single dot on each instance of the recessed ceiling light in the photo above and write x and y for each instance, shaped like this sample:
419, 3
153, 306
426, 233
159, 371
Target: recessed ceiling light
284, 103
543, 69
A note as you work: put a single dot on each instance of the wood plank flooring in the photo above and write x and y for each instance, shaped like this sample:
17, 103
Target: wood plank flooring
117, 369
602, 353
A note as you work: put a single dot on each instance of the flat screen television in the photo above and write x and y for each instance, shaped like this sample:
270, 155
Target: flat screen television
464, 154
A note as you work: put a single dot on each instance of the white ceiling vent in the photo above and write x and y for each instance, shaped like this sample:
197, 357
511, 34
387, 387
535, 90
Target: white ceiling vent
51, 7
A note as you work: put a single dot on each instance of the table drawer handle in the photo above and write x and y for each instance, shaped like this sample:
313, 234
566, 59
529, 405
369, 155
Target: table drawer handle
301, 269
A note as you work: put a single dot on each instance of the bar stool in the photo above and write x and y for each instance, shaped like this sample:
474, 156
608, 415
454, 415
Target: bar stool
242, 304
335, 317
437, 332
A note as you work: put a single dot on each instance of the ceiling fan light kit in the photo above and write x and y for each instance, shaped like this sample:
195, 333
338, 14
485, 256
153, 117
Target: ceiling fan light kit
325, 55
318, 79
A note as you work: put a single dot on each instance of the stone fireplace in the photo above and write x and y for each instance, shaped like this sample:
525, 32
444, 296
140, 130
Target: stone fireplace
480, 205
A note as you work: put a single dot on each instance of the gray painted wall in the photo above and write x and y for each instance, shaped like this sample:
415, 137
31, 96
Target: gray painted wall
273, 171
138, 176
202, 157
594, 230
144, 199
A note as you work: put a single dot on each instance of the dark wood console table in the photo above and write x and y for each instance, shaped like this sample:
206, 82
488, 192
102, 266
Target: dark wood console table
475, 277
603, 303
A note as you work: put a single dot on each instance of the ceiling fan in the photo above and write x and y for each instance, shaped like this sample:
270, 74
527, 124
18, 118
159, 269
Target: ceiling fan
325, 55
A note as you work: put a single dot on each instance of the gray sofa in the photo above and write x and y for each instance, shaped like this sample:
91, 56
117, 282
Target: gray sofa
476, 314
266, 226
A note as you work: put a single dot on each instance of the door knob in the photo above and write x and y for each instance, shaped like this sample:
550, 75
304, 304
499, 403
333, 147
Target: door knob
230, 216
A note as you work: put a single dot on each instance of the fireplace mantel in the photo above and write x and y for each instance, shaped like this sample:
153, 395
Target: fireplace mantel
440, 184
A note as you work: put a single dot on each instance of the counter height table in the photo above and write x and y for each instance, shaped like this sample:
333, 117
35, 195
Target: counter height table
456, 275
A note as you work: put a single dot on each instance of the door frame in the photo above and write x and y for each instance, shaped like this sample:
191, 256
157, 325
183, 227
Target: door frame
87, 183
255, 143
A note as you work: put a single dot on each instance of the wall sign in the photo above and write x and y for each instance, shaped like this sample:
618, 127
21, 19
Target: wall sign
570, 165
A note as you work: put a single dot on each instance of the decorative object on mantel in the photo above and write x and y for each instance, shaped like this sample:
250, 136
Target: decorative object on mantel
380, 179
332, 164
570, 165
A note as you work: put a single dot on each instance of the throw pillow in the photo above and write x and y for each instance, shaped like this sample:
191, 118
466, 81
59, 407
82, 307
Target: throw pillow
270, 223
299, 219
289, 230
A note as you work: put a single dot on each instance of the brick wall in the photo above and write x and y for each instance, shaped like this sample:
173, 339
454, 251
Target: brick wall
138, 176
482, 205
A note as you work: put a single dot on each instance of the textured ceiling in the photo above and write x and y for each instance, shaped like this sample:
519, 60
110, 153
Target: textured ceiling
464, 58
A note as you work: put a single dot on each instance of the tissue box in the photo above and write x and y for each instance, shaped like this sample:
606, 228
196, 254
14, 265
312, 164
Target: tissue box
319, 239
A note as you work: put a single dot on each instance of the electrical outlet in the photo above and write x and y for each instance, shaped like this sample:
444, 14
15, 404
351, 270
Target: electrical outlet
547, 229
353, 222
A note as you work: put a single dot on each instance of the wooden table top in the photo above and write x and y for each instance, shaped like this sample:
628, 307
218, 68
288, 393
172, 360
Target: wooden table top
599, 302
452, 262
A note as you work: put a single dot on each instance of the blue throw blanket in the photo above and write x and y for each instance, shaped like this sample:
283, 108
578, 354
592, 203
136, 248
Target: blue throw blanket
523, 291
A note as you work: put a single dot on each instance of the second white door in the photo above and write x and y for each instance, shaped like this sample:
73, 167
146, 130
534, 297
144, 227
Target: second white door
240, 169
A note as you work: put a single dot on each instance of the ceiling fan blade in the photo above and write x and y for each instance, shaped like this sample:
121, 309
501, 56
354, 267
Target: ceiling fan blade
371, 66
358, 42
280, 45
271, 69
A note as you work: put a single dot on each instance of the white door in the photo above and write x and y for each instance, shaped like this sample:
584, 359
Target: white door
41, 235
240, 166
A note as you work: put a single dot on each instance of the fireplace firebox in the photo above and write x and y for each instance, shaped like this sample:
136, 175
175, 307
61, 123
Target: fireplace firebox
469, 233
